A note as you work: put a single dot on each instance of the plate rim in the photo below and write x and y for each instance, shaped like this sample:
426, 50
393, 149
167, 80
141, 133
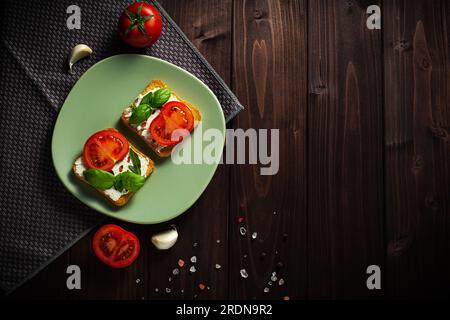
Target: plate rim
206, 181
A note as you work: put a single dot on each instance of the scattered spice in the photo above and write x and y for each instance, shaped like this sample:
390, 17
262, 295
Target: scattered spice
241, 219
194, 259
273, 278
138, 280
281, 282
244, 273
242, 231
156, 290
266, 290
181, 263
195, 244
218, 241
192, 269
254, 235
218, 266
274, 213
286, 298
245, 256
170, 279
176, 271
201, 286
269, 283
168, 290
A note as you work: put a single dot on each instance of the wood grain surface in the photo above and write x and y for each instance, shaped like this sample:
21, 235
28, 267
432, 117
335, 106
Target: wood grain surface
417, 120
345, 149
364, 153
270, 79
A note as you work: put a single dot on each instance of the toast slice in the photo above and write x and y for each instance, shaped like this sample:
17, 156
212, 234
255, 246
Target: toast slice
116, 197
142, 129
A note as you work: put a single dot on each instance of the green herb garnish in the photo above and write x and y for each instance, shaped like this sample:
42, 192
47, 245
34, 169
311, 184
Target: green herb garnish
136, 167
141, 113
99, 179
160, 97
129, 181
148, 105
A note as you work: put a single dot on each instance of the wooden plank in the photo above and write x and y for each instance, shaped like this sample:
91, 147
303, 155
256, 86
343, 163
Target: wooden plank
206, 222
345, 148
417, 116
269, 78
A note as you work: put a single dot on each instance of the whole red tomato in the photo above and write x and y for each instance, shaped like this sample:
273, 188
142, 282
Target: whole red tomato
140, 25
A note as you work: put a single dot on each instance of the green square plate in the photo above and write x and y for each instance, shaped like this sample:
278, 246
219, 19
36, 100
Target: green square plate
97, 101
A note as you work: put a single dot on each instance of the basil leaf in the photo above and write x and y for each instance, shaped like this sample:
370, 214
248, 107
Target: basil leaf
130, 181
147, 99
99, 179
160, 97
136, 167
140, 113
118, 184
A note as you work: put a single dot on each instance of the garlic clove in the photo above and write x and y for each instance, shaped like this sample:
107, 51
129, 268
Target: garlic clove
78, 52
166, 239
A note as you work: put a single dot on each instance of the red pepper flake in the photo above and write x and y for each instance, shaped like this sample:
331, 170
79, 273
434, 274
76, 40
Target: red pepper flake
241, 219
286, 298
143, 124
181, 263
201, 286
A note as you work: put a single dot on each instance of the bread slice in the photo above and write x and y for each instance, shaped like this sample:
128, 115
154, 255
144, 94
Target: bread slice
115, 197
142, 130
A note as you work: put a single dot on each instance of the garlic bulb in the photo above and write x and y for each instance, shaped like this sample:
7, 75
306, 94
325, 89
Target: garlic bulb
166, 239
78, 52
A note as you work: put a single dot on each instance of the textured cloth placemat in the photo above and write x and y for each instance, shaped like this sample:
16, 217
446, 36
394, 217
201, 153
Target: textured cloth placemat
39, 218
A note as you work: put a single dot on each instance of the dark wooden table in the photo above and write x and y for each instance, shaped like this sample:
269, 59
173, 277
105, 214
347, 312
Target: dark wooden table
364, 177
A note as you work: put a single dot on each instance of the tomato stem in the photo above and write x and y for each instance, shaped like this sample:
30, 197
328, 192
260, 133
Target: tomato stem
138, 21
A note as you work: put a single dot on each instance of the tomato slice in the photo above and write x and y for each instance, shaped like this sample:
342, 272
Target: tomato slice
115, 246
173, 123
104, 148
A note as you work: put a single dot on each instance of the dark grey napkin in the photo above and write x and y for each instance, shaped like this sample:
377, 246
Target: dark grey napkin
39, 218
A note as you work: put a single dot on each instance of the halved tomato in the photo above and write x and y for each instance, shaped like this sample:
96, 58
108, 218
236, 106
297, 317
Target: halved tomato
115, 247
104, 148
173, 123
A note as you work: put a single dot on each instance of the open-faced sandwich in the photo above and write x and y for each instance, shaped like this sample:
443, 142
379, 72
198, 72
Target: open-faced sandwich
113, 166
160, 117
